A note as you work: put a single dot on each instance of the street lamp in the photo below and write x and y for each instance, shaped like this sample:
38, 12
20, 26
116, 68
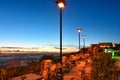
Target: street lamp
79, 30
84, 36
61, 4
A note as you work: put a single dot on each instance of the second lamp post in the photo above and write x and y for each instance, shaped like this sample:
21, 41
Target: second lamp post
83, 36
84, 49
79, 30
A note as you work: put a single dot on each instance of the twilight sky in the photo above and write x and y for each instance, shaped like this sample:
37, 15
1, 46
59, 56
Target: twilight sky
35, 23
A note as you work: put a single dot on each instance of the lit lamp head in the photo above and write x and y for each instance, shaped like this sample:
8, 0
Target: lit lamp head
79, 30
83, 36
61, 3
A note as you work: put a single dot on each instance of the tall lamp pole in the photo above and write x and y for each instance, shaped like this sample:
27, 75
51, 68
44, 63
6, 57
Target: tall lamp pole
61, 4
79, 30
84, 50
83, 36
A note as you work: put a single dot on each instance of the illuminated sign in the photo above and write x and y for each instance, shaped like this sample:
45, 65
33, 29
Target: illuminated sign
113, 53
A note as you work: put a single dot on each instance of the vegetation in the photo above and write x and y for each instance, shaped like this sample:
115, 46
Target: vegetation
103, 67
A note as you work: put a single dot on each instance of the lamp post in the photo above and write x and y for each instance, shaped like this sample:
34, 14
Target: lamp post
61, 4
79, 30
84, 36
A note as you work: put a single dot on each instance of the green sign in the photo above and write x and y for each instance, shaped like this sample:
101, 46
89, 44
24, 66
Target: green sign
113, 53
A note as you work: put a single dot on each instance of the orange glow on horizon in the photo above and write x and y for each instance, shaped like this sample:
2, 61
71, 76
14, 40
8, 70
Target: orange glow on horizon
38, 49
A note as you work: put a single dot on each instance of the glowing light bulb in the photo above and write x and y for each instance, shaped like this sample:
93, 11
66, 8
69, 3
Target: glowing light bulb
61, 5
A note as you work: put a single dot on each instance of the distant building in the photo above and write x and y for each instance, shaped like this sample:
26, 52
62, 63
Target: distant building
117, 46
105, 45
96, 48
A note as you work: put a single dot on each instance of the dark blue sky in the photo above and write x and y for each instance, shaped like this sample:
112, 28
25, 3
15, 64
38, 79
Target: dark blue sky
35, 23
